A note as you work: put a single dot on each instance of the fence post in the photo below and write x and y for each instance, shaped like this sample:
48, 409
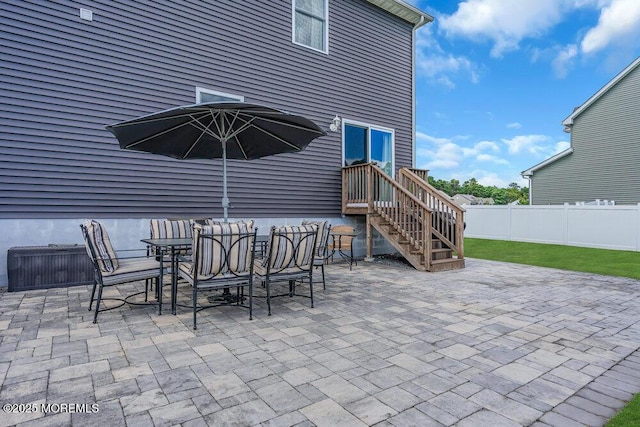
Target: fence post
638, 228
565, 238
509, 213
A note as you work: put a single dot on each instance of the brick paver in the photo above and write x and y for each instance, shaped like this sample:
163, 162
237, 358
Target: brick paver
494, 344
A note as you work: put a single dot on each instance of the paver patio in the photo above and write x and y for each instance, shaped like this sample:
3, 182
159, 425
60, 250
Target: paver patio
495, 344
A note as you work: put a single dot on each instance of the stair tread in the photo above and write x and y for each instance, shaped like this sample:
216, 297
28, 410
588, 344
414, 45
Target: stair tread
446, 260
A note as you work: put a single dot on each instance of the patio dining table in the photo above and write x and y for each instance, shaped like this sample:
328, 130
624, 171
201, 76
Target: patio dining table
170, 246
173, 246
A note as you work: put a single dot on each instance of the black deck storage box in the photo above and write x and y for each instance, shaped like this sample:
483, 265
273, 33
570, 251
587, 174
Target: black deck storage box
53, 266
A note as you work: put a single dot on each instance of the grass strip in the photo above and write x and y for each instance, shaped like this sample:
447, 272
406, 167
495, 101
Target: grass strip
588, 260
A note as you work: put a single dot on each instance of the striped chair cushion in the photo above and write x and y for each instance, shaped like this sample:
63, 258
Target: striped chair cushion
211, 221
132, 269
99, 240
167, 229
227, 253
323, 236
289, 248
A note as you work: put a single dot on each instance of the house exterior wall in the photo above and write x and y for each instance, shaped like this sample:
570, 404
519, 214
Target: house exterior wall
64, 79
605, 139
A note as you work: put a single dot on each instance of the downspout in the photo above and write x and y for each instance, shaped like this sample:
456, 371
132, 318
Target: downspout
413, 91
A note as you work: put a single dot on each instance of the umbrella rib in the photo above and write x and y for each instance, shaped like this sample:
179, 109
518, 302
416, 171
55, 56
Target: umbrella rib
291, 125
244, 153
204, 129
152, 119
284, 141
155, 135
245, 124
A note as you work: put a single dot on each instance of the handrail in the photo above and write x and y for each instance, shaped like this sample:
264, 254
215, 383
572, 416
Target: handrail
447, 219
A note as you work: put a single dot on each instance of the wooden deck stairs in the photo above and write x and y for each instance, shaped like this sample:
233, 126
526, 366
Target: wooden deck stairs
416, 219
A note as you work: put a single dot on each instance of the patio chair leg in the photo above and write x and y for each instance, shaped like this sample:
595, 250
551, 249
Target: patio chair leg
95, 316
268, 296
159, 299
311, 290
195, 299
324, 284
93, 293
250, 301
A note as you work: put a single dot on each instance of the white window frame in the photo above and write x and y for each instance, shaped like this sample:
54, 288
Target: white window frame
369, 128
201, 90
326, 27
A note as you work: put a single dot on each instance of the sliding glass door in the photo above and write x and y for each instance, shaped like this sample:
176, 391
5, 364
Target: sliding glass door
363, 143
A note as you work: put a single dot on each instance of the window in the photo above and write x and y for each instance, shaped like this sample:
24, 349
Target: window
363, 143
310, 22
206, 95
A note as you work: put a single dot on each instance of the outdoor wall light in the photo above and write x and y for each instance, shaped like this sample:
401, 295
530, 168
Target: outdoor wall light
335, 124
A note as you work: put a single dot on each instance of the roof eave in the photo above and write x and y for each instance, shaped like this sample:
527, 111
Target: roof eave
405, 11
529, 172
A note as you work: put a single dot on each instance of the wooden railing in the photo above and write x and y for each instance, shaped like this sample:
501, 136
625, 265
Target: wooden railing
403, 211
422, 173
447, 221
354, 186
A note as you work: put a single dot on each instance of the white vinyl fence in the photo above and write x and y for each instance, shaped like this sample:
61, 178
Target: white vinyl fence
606, 227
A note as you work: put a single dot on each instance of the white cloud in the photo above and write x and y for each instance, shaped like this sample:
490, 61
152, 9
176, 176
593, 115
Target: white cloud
564, 60
489, 179
428, 138
514, 125
492, 159
444, 153
619, 22
534, 144
487, 145
505, 23
438, 66
560, 147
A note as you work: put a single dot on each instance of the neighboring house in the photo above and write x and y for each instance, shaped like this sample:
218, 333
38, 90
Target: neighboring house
69, 69
602, 162
468, 199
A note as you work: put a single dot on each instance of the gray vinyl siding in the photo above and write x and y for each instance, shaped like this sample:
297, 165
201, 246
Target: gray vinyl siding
63, 79
605, 161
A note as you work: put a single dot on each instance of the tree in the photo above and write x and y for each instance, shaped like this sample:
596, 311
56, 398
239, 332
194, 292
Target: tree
500, 196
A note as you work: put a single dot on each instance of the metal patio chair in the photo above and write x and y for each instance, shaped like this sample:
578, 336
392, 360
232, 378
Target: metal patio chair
111, 269
222, 258
289, 258
321, 256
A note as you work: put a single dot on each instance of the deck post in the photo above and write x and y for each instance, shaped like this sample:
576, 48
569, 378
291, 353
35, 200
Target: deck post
369, 213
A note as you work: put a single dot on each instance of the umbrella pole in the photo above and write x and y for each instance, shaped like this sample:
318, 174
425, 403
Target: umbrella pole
225, 199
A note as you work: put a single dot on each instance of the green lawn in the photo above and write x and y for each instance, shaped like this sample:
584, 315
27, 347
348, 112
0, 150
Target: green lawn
589, 260
600, 261
629, 416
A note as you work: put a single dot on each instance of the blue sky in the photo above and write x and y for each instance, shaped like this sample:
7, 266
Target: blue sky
495, 79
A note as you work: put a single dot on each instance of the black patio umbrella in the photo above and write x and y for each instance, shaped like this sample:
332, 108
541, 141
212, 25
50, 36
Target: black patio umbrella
217, 130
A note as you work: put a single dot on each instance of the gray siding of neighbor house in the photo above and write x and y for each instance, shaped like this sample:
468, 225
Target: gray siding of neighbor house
63, 79
605, 161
